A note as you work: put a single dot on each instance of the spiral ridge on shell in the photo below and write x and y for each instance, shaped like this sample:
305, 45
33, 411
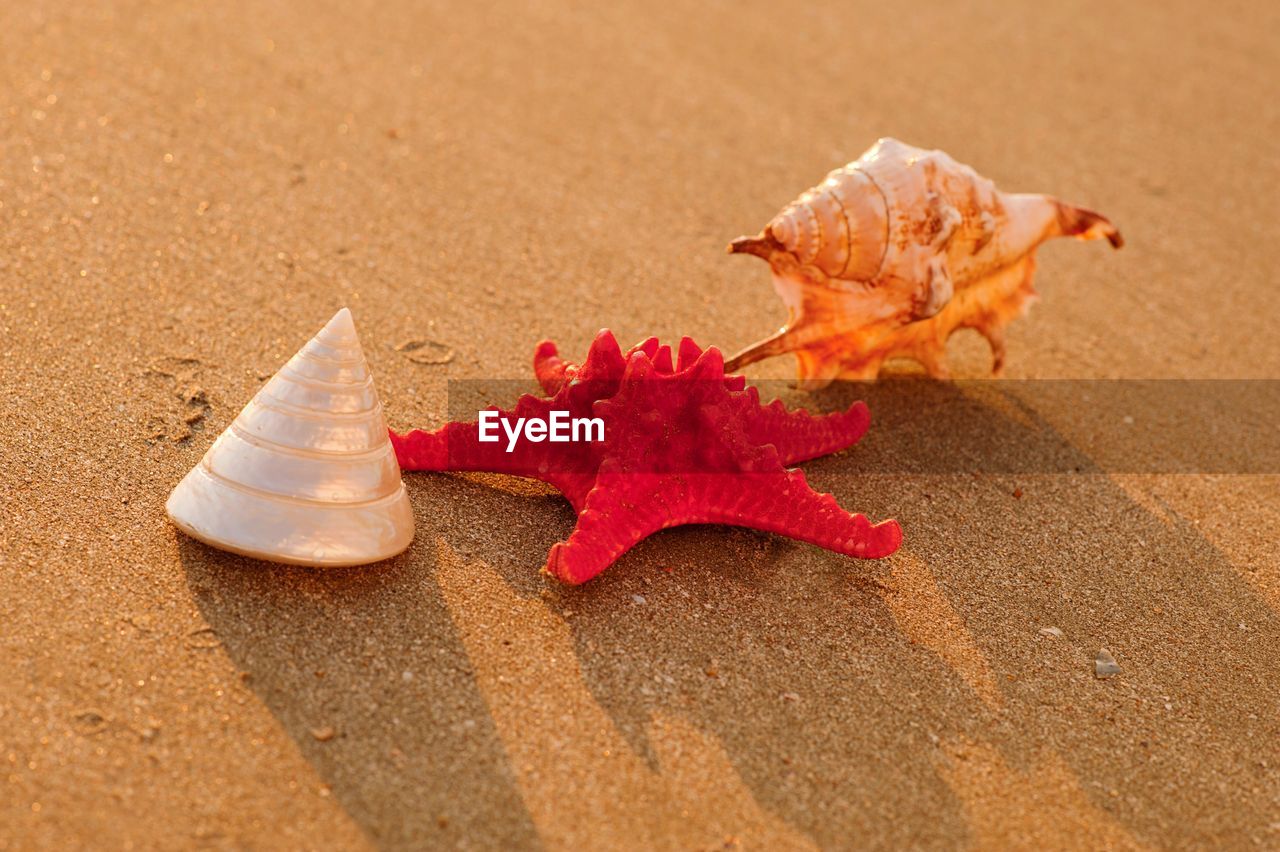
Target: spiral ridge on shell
840, 225
890, 254
306, 473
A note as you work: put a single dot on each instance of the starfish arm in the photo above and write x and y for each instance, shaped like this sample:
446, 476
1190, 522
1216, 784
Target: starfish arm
457, 447
569, 468
799, 435
621, 510
626, 508
419, 450
783, 503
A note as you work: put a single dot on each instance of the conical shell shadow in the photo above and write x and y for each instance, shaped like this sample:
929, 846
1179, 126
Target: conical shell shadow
306, 474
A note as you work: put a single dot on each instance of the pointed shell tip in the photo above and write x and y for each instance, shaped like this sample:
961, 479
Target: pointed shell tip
341, 326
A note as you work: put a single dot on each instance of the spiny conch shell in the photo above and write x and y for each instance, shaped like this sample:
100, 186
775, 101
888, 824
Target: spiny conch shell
306, 474
893, 252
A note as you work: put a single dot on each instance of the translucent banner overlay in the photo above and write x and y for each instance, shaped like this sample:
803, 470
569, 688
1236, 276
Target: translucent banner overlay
1003, 426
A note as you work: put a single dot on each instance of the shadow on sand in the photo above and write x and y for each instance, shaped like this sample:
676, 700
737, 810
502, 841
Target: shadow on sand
836, 720
374, 655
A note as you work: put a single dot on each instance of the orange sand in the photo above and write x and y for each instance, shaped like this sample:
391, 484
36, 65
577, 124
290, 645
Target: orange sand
188, 191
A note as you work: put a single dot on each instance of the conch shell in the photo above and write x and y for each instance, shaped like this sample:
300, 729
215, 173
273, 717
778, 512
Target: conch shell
306, 474
893, 252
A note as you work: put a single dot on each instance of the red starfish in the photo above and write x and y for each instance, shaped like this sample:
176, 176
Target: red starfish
684, 444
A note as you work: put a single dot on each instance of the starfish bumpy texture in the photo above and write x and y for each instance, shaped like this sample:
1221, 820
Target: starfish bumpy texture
683, 444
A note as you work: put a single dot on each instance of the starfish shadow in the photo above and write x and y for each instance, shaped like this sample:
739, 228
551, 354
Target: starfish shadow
839, 718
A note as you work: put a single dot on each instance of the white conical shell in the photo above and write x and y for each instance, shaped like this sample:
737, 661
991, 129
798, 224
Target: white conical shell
306, 474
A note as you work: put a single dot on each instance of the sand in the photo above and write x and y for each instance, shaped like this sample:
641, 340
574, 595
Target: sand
188, 191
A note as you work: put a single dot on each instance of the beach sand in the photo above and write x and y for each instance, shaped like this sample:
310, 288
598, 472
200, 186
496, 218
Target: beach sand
189, 191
